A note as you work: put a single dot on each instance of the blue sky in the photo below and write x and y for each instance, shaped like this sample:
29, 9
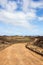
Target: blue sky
21, 17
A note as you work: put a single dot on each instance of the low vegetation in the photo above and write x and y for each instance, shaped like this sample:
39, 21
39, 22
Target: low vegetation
6, 41
36, 45
33, 43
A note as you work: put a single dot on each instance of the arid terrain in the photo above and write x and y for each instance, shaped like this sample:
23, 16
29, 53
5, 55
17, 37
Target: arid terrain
36, 45
13, 53
17, 54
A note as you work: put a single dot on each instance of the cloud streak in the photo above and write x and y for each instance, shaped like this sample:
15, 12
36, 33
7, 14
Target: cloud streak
9, 15
17, 18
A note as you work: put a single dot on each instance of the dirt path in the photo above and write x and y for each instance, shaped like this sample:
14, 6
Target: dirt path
17, 54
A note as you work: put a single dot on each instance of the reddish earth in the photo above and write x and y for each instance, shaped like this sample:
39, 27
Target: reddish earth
17, 54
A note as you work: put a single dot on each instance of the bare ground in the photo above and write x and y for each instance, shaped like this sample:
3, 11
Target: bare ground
17, 54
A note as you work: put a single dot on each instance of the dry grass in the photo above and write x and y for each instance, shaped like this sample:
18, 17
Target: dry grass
6, 41
14, 52
36, 45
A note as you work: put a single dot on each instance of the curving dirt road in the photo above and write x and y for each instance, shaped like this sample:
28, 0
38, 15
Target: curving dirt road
17, 54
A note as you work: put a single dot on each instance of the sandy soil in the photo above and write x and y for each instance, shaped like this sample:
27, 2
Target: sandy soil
17, 54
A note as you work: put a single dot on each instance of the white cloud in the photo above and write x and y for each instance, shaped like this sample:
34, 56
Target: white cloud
11, 6
26, 4
18, 18
36, 4
9, 15
40, 18
12, 15
31, 14
3, 3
